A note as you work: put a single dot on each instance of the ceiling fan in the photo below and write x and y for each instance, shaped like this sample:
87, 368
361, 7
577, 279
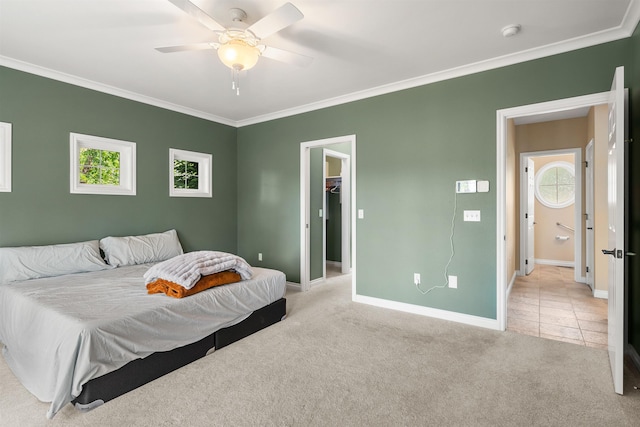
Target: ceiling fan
240, 48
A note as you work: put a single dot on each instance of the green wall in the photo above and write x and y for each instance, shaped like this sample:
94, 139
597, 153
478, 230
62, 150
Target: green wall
40, 209
411, 148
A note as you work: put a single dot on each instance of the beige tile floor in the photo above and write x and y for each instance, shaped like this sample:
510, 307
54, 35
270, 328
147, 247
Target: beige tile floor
549, 304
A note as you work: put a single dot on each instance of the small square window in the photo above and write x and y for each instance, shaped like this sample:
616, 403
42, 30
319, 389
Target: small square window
102, 165
190, 174
5, 157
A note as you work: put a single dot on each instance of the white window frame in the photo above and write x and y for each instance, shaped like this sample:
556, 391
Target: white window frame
558, 164
5, 157
205, 173
127, 152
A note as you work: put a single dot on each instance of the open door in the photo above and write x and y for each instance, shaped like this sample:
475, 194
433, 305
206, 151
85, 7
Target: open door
616, 250
589, 217
530, 216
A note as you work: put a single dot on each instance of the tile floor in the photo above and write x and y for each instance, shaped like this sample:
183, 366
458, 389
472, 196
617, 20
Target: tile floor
549, 304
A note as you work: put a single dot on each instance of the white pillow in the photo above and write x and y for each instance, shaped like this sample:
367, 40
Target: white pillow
32, 262
131, 250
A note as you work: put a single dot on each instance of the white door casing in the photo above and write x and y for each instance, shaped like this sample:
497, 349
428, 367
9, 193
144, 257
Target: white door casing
616, 209
502, 118
305, 213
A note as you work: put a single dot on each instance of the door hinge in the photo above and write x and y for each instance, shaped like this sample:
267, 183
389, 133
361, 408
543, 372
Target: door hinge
526, 262
526, 215
587, 269
586, 164
619, 253
526, 169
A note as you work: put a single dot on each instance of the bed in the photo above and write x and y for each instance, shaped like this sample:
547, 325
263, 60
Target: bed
87, 337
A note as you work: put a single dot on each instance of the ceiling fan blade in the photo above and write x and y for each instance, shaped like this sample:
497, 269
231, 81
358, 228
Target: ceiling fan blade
286, 56
197, 13
280, 18
187, 47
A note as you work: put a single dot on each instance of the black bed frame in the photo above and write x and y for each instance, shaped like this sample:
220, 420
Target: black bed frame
141, 371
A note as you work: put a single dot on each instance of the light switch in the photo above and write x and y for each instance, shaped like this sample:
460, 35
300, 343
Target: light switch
320, 213
360, 213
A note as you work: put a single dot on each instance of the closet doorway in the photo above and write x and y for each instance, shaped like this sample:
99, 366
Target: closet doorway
320, 188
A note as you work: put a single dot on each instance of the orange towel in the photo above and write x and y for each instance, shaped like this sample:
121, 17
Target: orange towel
178, 291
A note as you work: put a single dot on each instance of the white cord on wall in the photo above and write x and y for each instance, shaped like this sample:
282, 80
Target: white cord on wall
446, 268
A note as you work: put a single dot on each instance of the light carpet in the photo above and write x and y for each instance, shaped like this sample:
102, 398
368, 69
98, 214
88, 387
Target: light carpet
333, 362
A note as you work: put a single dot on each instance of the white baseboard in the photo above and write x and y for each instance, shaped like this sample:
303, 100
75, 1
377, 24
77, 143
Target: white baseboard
467, 319
294, 286
334, 263
555, 262
601, 294
633, 355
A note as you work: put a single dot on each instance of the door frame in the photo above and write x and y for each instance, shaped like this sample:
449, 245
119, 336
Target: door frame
502, 116
577, 214
345, 208
305, 210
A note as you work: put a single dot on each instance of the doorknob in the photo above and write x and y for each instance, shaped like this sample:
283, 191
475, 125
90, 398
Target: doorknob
615, 253
630, 254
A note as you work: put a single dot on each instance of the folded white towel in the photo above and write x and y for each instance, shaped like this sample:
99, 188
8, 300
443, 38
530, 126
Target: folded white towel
188, 268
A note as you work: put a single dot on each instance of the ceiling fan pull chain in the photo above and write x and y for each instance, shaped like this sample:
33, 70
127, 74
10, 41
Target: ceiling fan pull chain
235, 80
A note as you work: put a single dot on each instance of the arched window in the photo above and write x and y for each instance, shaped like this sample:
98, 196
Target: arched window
556, 184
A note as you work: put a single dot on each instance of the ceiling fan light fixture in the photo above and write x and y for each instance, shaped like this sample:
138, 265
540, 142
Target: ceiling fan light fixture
238, 55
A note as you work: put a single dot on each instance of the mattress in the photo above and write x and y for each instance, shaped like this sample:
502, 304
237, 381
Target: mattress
61, 332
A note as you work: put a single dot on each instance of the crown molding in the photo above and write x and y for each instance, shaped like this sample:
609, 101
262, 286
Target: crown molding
111, 90
631, 19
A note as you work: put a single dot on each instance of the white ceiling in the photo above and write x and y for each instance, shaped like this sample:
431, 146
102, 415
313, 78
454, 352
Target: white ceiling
360, 48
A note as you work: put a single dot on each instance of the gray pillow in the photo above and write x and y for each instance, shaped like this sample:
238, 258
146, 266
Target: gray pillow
32, 262
132, 250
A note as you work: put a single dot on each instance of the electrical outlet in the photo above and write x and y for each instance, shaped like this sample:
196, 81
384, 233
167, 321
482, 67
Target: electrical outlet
416, 278
473, 216
259, 256
453, 282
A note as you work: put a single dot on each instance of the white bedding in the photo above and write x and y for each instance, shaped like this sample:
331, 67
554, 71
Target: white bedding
60, 332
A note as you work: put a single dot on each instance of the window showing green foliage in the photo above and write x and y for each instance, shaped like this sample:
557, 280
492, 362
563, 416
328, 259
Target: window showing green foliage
185, 174
100, 167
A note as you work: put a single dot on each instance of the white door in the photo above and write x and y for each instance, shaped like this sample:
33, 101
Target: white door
589, 205
345, 196
529, 215
616, 249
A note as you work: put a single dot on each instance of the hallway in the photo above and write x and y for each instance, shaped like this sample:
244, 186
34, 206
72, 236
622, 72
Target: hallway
549, 304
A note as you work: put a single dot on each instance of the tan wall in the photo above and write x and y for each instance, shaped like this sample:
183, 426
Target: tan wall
511, 200
547, 247
598, 129
334, 166
555, 135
